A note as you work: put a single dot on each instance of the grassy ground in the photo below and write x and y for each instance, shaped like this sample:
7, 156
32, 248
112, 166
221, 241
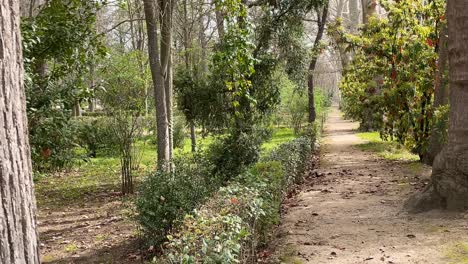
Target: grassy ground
390, 150
458, 253
90, 177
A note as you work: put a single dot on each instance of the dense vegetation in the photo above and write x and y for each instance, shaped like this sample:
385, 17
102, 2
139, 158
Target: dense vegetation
203, 116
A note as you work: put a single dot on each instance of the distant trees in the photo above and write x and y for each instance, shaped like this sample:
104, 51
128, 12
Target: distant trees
18, 236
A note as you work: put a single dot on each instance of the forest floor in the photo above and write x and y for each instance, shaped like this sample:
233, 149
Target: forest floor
350, 210
99, 230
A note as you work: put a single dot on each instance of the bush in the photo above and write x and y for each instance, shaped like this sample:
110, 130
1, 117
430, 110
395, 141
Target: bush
95, 134
233, 154
293, 156
179, 132
231, 225
220, 232
167, 197
52, 143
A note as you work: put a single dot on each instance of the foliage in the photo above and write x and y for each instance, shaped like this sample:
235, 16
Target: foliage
229, 227
167, 197
221, 228
292, 156
58, 43
124, 98
53, 143
94, 135
390, 79
179, 132
232, 154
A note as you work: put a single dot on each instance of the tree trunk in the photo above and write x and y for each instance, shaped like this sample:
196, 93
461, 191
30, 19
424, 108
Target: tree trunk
158, 83
30, 8
220, 23
353, 16
203, 42
369, 8
441, 97
193, 136
166, 63
449, 186
76, 111
18, 236
322, 19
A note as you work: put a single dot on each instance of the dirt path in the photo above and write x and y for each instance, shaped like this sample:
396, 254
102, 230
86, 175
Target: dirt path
352, 211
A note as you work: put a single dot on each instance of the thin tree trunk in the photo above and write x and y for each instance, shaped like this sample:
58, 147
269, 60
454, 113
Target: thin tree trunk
219, 21
449, 186
18, 236
202, 38
166, 59
193, 136
322, 19
76, 111
158, 83
92, 84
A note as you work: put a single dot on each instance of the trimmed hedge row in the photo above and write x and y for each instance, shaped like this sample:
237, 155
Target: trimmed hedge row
230, 226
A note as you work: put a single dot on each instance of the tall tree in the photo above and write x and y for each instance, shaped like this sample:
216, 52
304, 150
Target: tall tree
449, 187
159, 61
18, 237
321, 21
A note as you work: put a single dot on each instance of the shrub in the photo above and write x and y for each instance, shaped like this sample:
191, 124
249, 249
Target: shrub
95, 134
220, 232
230, 226
167, 197
179, 132
293, 156
52, 143
233, 154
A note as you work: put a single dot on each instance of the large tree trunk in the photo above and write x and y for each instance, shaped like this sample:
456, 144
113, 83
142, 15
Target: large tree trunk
322, 19
157, 74
18, 237
449, 186
441, 98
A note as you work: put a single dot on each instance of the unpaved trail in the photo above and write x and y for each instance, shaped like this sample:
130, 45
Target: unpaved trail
352, 212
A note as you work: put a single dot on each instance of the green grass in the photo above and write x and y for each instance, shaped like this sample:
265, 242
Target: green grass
458, 253
99, 176
280, 136
390, 150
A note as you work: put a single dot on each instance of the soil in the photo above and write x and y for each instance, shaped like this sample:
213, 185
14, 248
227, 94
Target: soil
99, 231
351, 210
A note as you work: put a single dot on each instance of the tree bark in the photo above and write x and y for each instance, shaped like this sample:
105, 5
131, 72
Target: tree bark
167, 7
30, 8
353, 16
322, 19
157, 74
449, 186
369, 8
18, 236
193, 136
441, 97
